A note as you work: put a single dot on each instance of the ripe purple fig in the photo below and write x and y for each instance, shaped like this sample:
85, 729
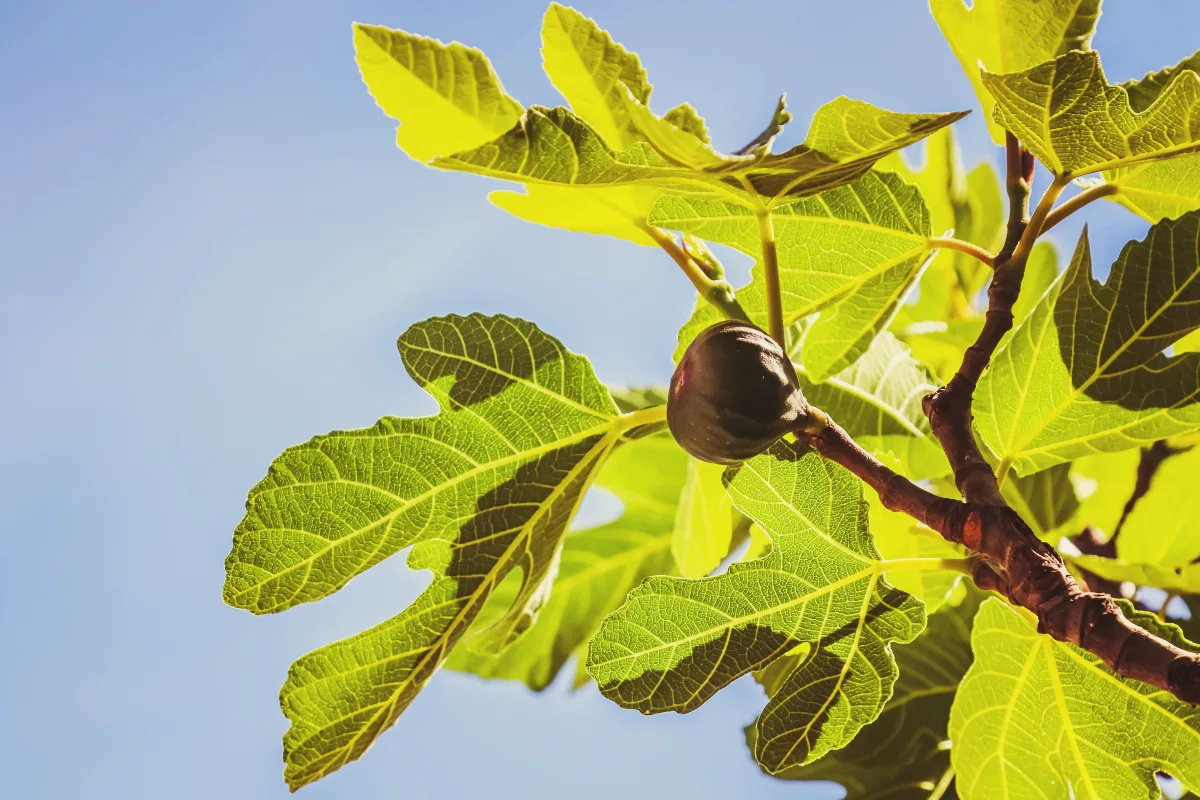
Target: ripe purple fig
733, 394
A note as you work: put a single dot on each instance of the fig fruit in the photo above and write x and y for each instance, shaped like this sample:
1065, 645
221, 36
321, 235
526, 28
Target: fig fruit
733, 394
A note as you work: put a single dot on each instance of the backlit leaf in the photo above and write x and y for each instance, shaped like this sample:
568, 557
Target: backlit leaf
1162, 527
1086, 372
968, 205
1104, 483
1037, 718
851, 253
904, 755
841, 686
1012, 35
598, 566
1180, 579
676, 641
557, 147
592, 72
485, 487
703, 521
446, 95
1075, 122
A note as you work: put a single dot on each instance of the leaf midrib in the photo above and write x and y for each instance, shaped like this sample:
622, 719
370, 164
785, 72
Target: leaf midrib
475, 598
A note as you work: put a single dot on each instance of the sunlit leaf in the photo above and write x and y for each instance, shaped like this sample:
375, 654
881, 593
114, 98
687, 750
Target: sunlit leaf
446, 96
1180, 579
703, 521
1037, 718
1086, 372
1104, 483
557, 147
485, 487
1162, 527
675, 642
1075, 122
904, 755
970, 206
877, 400
1012, 35
841, 686
851, 253
598, 566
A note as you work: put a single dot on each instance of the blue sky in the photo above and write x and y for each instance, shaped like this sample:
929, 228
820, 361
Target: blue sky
208, 245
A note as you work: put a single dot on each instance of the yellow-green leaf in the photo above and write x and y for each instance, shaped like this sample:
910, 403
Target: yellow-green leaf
1012, 35
446, 96
1075, 122
1086, 371
676, 641
851, 253
703, 521
598, 567
1038, 718
486, 487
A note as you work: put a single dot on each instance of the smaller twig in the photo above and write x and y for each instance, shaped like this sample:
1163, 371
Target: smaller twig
973, 250
717, 292
1077, 202
770, 258
1151, 459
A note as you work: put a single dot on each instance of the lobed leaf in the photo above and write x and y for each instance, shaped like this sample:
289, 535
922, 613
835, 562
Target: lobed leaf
1038, 718
850, 253
598, 567
877, 400
557, 147
1086, 371
486, 486
971, 206
1076, 123
676, 641
840, 687
592, 72
447, 96
1012, 35
904, 755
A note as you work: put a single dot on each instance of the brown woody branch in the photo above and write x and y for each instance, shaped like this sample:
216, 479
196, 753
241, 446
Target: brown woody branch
1012, 560
1018, 565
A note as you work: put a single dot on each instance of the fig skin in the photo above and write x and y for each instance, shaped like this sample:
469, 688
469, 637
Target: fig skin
733, 394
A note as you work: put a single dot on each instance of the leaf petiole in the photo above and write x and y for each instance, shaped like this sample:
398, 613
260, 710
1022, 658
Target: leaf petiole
973, 250
770, 258
1077, 202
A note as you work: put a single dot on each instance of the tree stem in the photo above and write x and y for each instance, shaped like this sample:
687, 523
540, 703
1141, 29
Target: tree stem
973, 250
1077, 202
770, 259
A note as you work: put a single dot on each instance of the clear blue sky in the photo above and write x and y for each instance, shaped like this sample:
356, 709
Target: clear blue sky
208, 245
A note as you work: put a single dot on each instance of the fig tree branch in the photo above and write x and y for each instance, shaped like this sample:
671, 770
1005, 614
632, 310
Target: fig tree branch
1012, 560
1015, 563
